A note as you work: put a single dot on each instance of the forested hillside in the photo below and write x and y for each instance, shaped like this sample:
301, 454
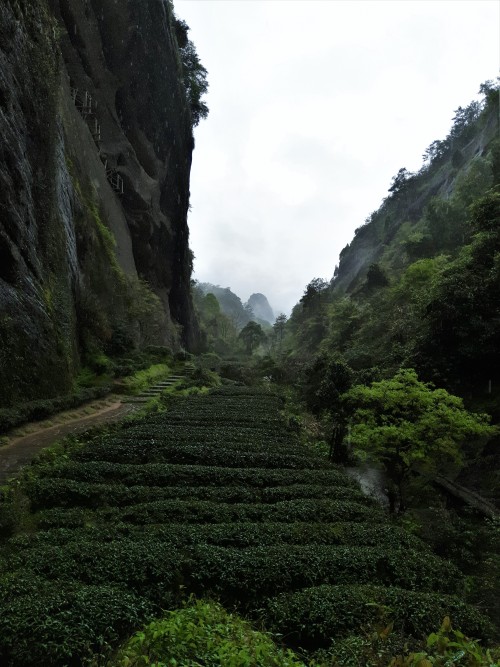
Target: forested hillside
397, 358
230, 328
418, 285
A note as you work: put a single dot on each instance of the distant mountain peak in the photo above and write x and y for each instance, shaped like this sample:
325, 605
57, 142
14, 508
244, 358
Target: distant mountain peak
261, 308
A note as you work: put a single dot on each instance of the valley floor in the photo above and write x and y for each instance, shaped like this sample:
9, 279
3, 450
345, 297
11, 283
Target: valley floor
214, 497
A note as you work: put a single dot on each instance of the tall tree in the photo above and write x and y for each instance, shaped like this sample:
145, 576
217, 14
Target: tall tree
279, 330
252, 336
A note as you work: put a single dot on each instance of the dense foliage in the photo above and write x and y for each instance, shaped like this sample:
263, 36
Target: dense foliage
203, 634
410, 425
194, 75
418, 289
215, 496
417, 286
395, 360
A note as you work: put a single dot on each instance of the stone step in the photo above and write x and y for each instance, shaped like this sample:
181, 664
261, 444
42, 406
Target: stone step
155, 390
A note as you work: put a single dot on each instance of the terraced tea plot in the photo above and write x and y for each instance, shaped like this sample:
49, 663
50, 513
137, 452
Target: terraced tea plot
215, 496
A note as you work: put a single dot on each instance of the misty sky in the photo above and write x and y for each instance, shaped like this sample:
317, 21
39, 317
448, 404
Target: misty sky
314, 106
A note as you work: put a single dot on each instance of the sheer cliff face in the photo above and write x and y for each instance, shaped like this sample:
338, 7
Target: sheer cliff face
124, 55
91, 102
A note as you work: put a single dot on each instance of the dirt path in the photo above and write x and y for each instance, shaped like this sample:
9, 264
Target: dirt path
21, 450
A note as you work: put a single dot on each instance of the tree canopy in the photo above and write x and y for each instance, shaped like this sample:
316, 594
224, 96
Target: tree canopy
408, 424
194, 74
252, 336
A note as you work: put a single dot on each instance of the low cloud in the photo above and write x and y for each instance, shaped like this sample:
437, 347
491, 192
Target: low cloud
314, 106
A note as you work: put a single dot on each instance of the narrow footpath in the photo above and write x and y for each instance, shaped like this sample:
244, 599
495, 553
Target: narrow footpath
21, 450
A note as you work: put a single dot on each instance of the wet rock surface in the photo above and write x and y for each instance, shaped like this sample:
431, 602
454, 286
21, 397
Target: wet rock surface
95, 137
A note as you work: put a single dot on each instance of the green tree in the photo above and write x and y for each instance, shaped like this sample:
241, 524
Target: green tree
376, 276
463, 312
252, 336
308, 322
400, 180
325, 381
436, 151
279, 330
194, 74
313, 296
410, 425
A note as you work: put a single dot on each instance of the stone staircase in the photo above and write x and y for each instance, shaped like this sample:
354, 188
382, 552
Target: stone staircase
157, 389
14, 456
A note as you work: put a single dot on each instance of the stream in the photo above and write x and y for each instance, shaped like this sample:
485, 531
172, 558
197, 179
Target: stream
372, 480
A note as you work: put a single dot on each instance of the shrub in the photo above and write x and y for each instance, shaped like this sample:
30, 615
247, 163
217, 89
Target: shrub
381, 647
141, 566
52, 492
154, 568
312, 617
177, 511
7, 519
43, 408
449, 646
12, 417
122, 451
248, 575
240, 535
142, 378
157, 474
43, 624
201, 377
203, 634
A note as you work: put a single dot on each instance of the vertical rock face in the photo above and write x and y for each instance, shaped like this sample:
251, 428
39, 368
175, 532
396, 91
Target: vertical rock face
95, 156
37, 354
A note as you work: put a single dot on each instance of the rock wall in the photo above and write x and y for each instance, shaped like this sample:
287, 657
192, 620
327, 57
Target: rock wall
95, 155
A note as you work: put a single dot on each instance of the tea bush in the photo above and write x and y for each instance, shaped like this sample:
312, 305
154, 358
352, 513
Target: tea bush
213, 496
157, 474
240, 535
139, 452
43, 624
312, 617
49, 492
202, 634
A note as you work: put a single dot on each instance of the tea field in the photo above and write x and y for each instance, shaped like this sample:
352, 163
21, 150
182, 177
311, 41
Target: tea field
215, 497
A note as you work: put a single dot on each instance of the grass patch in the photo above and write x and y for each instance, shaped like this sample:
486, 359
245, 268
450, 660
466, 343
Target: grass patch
141, 379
